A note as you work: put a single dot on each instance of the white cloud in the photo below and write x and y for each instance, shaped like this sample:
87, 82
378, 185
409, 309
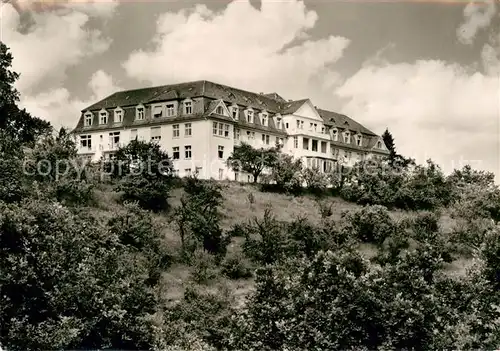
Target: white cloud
264, 50
60, 108
56, 41
478, 15
434, 110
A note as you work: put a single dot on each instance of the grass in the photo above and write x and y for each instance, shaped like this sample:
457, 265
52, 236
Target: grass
241, 204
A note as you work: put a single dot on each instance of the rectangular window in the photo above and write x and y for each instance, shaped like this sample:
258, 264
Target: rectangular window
286, 125
157, 111
264, 119
278, 123
310, 126
335, 135
298, 124
103, 118
221, 129
139, 113
305, 143
175, 130
170, 110
188, 107
220, 150
226, 130
187, 129
114, 140
301, 124
86, 142
250, 116
133, 134
234, 112
314, 145
237, 133
221, 173
265, 139
295, 142
214, 130
322, 130
88, 119
176, 153
118, 116
187, 152
156, 134
323, 147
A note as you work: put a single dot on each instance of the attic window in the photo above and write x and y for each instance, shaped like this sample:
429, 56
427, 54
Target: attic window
157, 111
265, 119
88, 119
188, 107
379, 145
234, 112
359, 139
347, 137
139, 113
118, 117
103, 117
170, 110
335, 135
278, 122
219, 110
249, 116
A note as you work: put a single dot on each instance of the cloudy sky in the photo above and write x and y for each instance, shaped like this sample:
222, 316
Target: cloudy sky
427, 70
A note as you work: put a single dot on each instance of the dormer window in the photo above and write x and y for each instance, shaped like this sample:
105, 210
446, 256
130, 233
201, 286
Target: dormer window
359, 139
118, 117
347, 137
235, 112
265, 119
250, 115
379, 144
103, 117
188, 107
335, 135
279, 122
139, 113
87, 122
157, 111
219, 110
170, 109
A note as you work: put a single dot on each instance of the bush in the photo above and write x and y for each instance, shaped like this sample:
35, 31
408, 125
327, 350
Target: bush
67, 283
236, 266
204, 267
371, 224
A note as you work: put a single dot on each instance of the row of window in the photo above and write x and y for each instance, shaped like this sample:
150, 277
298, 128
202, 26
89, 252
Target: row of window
249, 112
158, 111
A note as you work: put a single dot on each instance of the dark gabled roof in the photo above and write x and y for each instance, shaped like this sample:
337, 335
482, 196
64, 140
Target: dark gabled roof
338, 120
148, 95
273, 103
275, 96
188, 90
292, 106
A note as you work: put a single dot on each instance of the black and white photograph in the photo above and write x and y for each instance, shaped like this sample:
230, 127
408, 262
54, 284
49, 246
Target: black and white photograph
249, 175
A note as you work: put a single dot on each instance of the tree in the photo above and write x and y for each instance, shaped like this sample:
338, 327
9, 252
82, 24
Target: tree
250, 160
389, 142
145, 172
286, 172
14, 122
395, 159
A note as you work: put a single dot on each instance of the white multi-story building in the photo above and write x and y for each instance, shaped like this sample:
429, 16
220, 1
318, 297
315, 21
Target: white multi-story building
199, 124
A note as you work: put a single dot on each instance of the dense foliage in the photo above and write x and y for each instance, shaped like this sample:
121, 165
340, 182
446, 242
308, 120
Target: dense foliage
85, 261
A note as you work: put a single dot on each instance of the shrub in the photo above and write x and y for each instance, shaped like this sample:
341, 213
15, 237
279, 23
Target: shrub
236, 266
325, 208
371, 224
67, 283
150, 194
285, 173
198, 218
204, 267
314, 180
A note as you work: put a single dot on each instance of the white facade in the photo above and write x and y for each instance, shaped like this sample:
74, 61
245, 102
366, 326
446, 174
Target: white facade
200, 133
